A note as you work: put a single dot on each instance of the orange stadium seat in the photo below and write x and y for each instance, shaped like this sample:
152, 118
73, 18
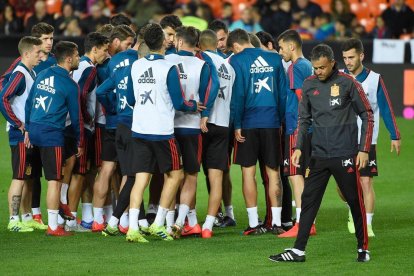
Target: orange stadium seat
368, 23
215, 6
361, 10
53, 6
376, 7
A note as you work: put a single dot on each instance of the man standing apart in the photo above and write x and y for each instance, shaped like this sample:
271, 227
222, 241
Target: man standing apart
53, 95
374, 88
331, 99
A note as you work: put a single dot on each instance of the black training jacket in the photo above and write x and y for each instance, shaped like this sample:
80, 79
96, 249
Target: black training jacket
331, 107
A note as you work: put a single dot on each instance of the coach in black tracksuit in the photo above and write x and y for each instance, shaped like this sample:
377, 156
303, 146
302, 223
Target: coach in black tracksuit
331, 102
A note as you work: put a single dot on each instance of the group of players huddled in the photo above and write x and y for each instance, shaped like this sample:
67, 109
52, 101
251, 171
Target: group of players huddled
106, 125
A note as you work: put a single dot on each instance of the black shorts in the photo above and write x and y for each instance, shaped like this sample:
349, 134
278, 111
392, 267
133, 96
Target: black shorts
26, 163
108, 145
154, 156
71, 147
123, 140
52, 160
215, 147
371, 169
290, 143
263, 143
191, 147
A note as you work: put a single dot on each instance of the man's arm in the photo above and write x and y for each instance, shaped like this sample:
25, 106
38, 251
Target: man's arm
282, 88
304, 118
176, 92
209, 85
86, 83
28, 106
386, 110
105, 95
15, 87
73, 103
363, 109
238, 96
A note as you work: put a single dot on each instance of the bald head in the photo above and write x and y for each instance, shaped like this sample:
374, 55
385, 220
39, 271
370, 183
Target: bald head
143, 50
208, 40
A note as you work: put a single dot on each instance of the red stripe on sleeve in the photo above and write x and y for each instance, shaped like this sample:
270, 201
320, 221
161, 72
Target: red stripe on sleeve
84, 94
6, 102
397, 132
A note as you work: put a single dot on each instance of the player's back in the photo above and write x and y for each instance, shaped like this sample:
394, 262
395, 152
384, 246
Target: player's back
153, 111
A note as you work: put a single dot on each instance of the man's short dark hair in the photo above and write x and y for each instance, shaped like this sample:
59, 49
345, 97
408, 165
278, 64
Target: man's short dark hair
64, 49
27, 43
94, 39
154, 36
322, 50
120, 19
353, 43
106, 30
208, 38
188, 34
254, 40
290, 36
122, 32
42, 29
171, 21
237, 36
265, 38
217, 25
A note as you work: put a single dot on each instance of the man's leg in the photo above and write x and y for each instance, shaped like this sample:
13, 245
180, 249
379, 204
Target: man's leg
349, 183
367, 184
214, 200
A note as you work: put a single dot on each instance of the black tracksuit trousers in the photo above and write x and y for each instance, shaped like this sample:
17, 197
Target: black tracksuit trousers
347, 177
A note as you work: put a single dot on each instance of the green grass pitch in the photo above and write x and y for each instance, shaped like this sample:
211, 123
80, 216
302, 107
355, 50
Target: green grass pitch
331, 251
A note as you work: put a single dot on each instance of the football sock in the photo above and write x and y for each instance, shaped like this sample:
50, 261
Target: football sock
369, 218
72, 223
124, 220
192, 217
64, 193
208, 224
298, 211
170, 219
14, 218
60, 220
229, 211
52, 219
253, 216
98, 215
87, 215
182, 213
108, 210
160, 217
36, 211
113, 221
276, 216
298, 252
143, 223
27, 217
133, 218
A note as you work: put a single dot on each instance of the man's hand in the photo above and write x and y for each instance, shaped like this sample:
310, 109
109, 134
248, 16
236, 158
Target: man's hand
80, 152
27, 140
200, 107
238, 136
203, 124
296, 157
362, 160
396, 144
22, 129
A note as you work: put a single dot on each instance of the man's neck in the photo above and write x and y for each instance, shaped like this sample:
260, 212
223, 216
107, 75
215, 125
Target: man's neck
27, 64
187, 49
296, 55
159, 52
357, 71
64, 66
91, 57
44, 57
212, 49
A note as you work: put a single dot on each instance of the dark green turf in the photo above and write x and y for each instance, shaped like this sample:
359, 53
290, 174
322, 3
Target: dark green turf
332, 251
